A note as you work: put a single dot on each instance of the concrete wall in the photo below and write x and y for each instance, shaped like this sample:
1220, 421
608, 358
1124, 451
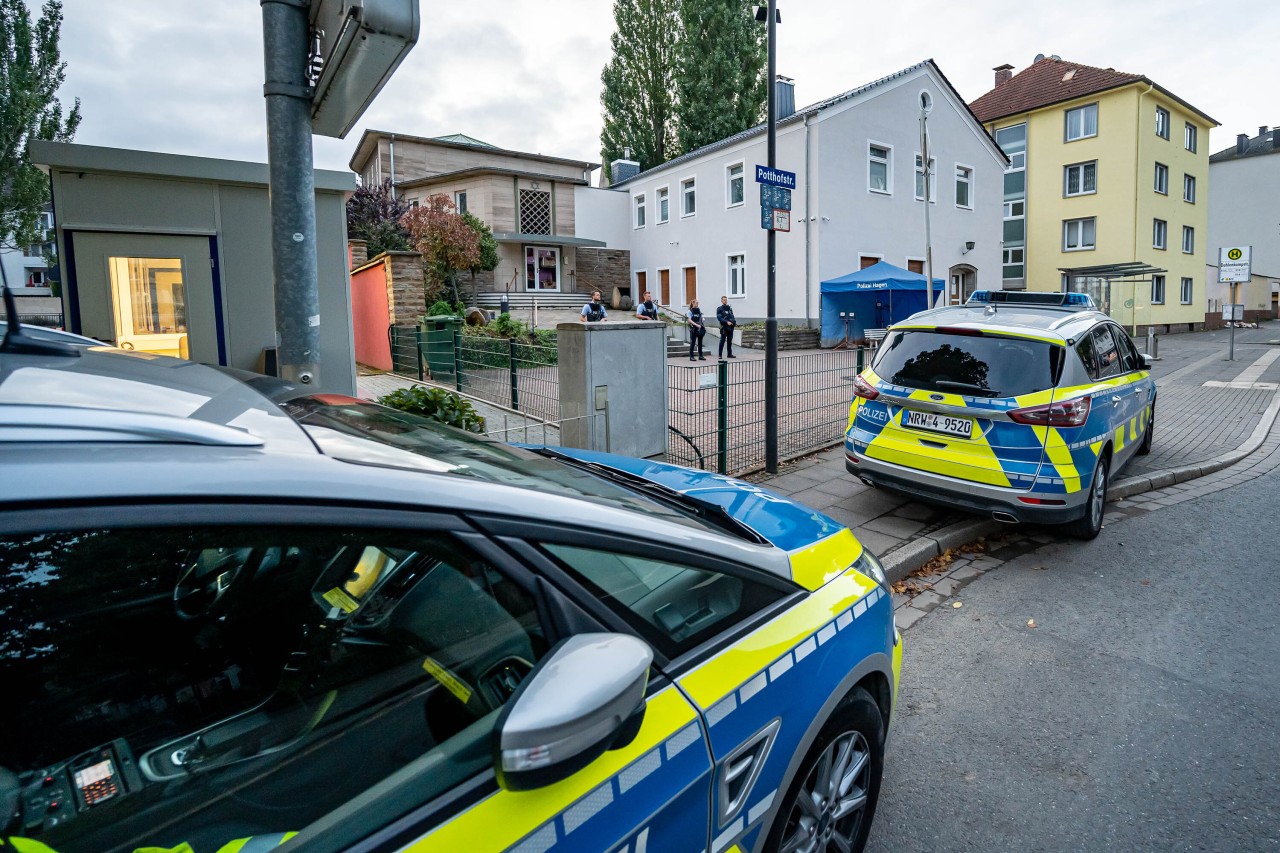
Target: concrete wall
1242, 209
601, 214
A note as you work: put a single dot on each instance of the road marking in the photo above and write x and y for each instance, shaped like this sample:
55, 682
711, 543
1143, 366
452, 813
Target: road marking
1248, 378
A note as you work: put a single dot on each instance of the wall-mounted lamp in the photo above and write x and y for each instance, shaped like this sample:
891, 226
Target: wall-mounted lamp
968, 247
826, 219
674, 243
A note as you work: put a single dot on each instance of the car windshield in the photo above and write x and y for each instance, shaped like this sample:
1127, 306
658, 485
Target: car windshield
369, 434
969, 364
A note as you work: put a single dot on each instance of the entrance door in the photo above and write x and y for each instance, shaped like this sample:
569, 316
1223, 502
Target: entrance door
150, 293
541, 268
642, 284
664, 279
690, 284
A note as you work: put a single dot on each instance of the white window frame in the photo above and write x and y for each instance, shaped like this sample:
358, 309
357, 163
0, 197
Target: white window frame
460, 194
1007, 260
1188, 240
1189, 183
1188, 290
906, 263
658, 199
687, 185
639, 215
1066, 122
967, 180
1190, 136
1163, 121
728, 274
1161, 169
916, 173
1066, 179
1079, 223
888, 167
728, 184
1157, 289
1159, 234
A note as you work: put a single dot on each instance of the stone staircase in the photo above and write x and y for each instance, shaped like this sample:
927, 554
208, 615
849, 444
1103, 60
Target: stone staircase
524, 301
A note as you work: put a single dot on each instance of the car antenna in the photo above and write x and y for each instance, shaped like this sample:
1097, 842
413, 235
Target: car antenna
16, 341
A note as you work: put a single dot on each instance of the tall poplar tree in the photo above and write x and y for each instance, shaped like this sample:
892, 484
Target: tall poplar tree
638, 96
721, 61
31, 72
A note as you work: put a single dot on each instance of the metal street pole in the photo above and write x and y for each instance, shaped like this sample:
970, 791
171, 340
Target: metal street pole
943, 298
771, 306
1231, 335
287, 90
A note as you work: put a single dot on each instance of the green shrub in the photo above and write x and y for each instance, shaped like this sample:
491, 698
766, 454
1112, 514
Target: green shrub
436, 404
441, 308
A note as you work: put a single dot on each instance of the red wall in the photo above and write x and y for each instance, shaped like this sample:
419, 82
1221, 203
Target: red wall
369, 317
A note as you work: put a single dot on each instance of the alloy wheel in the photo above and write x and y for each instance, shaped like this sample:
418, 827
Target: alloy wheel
832, 801
1098, 500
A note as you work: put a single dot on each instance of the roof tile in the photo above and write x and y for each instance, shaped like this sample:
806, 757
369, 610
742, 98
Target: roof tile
1044, 82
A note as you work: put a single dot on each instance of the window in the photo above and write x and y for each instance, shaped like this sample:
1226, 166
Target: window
1159, 234
937, 361
1189, 134
689, 197
672, 606
735, 193
933, 179
737, 275
1078, 234
964, 187
1082, 122
879, 161
541, 268
252, 661
1162, 122
1162, 179
664, 205
639, 203
1188, 240
149, 300
1189, 188
1188, 288
1110, 362
1080, 179
915, 265
413, 203
1013, 142
1088, 353
1013, 262
36, 278
535, 212
460, 201
1157, 290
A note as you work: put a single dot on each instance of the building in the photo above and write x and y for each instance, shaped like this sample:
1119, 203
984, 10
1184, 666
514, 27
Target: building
1106, 189
1245, 184
172, 255
695, 221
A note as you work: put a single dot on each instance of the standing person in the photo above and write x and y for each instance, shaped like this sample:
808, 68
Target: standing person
697, 330
593, 311
647, 309
724, 316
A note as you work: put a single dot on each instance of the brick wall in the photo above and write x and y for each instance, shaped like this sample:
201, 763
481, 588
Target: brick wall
406, 300
357, 252
603, 270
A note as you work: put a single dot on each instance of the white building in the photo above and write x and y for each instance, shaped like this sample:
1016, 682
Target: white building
1244, 183
695, 221
24, 266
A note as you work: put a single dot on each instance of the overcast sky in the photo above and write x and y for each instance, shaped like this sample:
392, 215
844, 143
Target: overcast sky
185, 76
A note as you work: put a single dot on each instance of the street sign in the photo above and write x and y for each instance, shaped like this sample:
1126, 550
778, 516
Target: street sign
1232, 312
781, 220
775, 197
1234, 264
777, 177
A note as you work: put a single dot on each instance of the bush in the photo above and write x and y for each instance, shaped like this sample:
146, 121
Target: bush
487, 346
436, 404
441, 308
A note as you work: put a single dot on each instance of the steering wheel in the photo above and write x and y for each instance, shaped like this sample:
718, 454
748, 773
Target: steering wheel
202, 589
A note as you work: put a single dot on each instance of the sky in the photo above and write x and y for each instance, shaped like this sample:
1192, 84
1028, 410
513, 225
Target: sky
185, 76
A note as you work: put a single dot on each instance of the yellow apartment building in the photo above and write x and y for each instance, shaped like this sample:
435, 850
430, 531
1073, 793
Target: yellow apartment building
1106, 192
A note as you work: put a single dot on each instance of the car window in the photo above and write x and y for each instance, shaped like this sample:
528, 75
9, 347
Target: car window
671, 605
1128, 352
989, 366
1088, 353
203, 685
1109, 361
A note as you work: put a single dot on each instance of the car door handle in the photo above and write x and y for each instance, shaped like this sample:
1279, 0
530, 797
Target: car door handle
1115, 401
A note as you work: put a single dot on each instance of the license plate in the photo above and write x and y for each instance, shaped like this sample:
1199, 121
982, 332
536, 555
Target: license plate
959, 427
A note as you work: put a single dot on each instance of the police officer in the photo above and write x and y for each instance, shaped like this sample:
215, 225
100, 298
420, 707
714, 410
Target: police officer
697, 329
724, 316
593, 311
648, 309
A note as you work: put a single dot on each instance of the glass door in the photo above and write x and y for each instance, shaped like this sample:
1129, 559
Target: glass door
149, 301
541, 268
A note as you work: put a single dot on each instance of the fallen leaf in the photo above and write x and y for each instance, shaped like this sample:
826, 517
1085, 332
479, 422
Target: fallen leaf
957, 604
1146, 582
1031, 623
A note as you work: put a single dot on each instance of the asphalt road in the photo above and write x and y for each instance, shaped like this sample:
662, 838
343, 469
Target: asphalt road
1141, 713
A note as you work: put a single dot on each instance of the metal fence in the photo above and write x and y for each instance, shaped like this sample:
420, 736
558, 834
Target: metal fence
716, 413
52, 321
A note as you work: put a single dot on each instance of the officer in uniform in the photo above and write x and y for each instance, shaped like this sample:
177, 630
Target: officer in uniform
648, 309
724, 316
697, 330
593, 311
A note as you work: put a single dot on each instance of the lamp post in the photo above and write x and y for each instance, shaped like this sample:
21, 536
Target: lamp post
926, 106
769, 15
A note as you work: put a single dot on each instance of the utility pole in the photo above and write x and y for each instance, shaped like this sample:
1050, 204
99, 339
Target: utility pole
286, 43
926, 105
771, 289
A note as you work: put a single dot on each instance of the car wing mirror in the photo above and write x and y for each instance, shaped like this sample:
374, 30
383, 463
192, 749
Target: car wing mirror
584, 698
1147, 361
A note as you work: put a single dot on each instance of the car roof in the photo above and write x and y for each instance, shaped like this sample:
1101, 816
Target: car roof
1048, 323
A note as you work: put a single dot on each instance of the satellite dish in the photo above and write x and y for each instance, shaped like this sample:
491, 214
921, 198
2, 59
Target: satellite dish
1039, 56
1056, 58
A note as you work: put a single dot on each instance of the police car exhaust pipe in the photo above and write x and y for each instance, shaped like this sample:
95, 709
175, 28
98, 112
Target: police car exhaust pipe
1006, 517
868, 482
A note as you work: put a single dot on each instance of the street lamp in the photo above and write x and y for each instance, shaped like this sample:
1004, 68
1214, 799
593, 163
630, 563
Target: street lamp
769, 16
926, 107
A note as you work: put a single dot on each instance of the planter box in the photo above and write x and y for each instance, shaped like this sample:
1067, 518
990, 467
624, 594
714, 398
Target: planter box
787, 339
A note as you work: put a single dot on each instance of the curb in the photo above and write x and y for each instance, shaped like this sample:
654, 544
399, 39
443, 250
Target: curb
909, 556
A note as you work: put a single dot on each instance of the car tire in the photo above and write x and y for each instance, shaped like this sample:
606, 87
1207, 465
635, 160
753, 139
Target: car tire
811, 818
1145, 447
1088, 525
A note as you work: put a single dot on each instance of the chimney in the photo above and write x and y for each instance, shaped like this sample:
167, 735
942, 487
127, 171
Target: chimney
1275, 138
623, 169
1262, 131
1004, 73
784, 97
1242, 143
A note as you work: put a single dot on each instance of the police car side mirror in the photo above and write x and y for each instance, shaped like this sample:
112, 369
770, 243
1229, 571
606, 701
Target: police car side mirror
1147, 361
584, 697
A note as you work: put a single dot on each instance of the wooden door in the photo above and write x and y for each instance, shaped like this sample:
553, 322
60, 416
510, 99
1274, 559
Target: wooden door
865, 261
690, 284
916, 266
664, 282
642, 284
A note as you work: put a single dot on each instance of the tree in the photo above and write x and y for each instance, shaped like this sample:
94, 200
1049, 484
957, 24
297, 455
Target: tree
638, 97
720, 71
373, 215
488, 246
447, 243
31, 72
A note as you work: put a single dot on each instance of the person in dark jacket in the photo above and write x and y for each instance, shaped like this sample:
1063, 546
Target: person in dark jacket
697, 330
593, 311
724, 316
647, 309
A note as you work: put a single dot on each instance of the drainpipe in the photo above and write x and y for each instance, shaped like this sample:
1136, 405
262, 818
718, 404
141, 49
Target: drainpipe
392, 146
1136, 229
808, 228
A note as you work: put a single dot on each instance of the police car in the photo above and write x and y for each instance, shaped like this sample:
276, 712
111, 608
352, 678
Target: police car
236, 616
1022, 406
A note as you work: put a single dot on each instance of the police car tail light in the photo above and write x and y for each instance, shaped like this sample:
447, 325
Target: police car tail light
1066, 413
862, 388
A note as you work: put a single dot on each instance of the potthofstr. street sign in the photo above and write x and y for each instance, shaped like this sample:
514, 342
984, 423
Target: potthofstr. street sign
777, 177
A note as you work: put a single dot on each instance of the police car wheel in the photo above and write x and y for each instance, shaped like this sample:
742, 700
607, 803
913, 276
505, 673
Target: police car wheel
1088, 525
832, 799
1145, 447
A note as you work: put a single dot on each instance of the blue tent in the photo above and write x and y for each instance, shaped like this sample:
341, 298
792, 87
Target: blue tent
878, 296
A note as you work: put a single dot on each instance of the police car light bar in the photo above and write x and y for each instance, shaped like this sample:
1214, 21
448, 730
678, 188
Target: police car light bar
1076, 301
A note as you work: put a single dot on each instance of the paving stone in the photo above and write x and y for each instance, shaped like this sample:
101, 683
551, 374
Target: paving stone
815, 498
879, 543
918, 511
926, 601
845, 487
873, 501
906, 617
848, 518
900, 600
966, 572
903, 528
946, 586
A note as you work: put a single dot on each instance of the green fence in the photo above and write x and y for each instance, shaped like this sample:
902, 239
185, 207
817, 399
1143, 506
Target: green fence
716, 415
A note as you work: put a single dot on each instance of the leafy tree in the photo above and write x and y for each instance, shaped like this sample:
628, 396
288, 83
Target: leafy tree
720, 71
31, 72
488, 260
447, 243
638, 83
373, 215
